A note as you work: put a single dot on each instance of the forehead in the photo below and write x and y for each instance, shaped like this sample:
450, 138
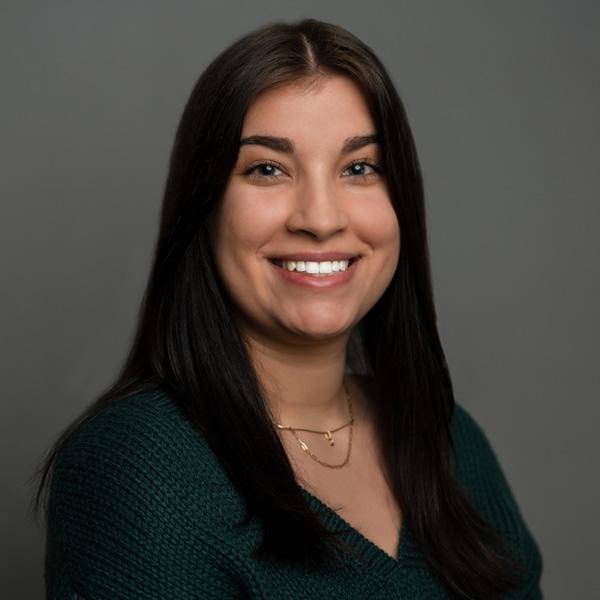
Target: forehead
328, 113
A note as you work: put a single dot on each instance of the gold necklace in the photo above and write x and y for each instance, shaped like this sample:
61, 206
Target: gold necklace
327, 433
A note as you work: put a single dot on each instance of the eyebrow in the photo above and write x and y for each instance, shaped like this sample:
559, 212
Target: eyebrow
282, 144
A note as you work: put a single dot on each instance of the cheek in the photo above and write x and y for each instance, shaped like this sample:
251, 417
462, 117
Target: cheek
378, 224
245, 224
240, 225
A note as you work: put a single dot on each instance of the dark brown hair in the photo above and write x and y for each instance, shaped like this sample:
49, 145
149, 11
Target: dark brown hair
188, 345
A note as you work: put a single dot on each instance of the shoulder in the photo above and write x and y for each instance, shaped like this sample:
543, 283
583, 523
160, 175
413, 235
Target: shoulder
468, 436
139, 453
463, 423
475, 460
484, 480
136, 505
142, 427
145, 432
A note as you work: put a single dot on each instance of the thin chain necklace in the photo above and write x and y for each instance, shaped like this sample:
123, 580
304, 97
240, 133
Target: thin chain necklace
328, 434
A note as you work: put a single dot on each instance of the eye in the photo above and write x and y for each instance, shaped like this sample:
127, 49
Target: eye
268, 171
357, 169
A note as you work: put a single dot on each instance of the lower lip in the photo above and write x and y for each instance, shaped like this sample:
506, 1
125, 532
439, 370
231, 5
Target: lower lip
310, 281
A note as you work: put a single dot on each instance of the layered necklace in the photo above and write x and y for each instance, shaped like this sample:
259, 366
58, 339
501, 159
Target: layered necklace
328, 433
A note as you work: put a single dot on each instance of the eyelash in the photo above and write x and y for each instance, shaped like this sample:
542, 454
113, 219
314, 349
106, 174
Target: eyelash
366, 161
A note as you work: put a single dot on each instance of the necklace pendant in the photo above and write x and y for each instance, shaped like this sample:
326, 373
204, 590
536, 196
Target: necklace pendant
329, 437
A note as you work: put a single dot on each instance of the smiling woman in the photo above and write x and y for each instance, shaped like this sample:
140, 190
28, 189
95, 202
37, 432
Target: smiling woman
319, 208
284, 425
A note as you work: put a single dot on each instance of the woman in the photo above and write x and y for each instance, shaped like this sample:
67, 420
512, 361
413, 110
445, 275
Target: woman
284, 425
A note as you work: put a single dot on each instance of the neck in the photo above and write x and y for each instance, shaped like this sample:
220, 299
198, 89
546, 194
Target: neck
303, 384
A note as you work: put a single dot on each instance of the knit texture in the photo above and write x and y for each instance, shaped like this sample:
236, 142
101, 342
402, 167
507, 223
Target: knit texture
140, 508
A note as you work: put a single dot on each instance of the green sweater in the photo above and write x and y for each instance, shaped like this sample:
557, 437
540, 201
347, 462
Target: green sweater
140, 507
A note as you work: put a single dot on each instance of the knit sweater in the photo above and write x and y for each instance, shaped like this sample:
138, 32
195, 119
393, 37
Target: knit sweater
141, 508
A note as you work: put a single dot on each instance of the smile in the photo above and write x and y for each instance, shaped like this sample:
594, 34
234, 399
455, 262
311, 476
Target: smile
326, 267
312, 274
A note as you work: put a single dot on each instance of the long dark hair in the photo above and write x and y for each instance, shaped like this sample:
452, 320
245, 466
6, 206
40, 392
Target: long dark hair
187, 343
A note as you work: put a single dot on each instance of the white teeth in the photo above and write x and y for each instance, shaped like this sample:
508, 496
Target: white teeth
327, 267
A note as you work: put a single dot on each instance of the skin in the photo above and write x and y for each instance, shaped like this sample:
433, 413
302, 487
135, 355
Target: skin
297, 337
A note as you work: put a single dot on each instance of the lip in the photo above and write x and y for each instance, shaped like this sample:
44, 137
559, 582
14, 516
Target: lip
312, 282
315, 256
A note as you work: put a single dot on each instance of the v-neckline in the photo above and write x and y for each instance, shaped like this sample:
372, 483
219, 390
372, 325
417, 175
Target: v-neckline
374, 557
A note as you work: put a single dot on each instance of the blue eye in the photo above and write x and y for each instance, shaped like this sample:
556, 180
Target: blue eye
268, 169
360, 164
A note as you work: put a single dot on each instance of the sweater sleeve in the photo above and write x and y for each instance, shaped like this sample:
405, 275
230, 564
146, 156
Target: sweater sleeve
124, 519
486, 485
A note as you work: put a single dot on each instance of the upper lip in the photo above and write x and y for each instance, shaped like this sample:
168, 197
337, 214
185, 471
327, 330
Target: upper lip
315, 256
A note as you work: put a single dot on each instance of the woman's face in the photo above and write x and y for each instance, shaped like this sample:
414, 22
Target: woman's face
306, 196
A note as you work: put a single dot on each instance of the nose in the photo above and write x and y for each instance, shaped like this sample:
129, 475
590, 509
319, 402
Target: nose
317, 209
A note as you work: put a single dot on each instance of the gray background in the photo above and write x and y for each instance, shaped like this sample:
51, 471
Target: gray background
503, 98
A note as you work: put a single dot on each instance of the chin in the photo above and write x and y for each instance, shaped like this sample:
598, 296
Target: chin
324, 331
